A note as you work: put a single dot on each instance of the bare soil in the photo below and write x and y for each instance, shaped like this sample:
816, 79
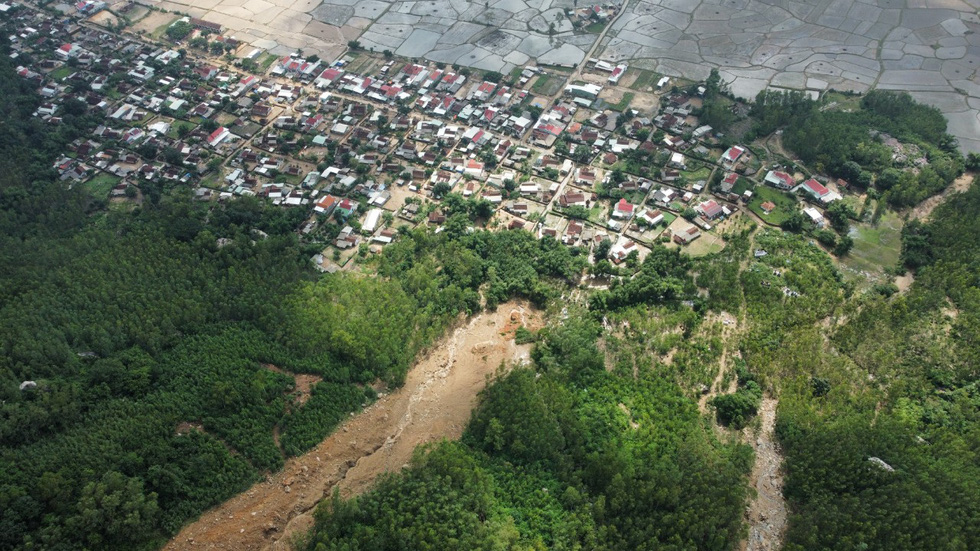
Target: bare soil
729, 326
435, 403
766, 514
925, 208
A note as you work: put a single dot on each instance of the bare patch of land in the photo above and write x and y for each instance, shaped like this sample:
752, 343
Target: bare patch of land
766, 514
435, 403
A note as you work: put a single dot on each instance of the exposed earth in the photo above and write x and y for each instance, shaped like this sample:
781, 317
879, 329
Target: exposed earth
435, 403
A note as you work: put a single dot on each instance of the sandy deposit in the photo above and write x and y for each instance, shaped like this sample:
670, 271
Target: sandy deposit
435, 403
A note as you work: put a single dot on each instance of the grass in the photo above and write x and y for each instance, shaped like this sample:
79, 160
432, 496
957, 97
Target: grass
623, 103
595, 28
741, 185
161, 31
101, 185
546, 85
61, 73
785, 204
702, 173
173, 134
707, 244
644, 80
876, 247
266, 61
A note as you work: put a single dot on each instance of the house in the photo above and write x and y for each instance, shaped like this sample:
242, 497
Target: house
815, 216
218, 136
623, 210
206, 25
326, 204
588, 91
347, 238
728, 183
780, 180
346, 207
621, 250
371, 221
732, 155
573, 232
617, 73
768, 207
817, 191
686, 236
710, 210
530, 188
436, 217
473, 168
67, 51
652, 217
677, 160
573, 199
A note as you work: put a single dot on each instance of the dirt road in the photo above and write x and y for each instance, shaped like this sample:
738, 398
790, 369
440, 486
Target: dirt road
767, 512
435, 403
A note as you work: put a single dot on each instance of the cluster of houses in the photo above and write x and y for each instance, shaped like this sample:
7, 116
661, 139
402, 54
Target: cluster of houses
367, 151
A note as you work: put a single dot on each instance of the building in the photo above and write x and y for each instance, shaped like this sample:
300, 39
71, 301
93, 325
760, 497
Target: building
588, 91
780, 180
206, 25
815, 217
652, 217
686, 236
732, 155
817, 191
710, 210
218, 136
623, 209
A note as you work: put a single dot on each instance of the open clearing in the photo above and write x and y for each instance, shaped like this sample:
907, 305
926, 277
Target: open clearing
767, 511
435, 403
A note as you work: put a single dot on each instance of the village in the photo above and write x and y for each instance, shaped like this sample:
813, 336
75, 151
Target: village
605, 157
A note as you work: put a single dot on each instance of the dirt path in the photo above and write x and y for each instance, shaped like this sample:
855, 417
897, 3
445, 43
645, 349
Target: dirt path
435, 403
925, 208
766, 514
729, 326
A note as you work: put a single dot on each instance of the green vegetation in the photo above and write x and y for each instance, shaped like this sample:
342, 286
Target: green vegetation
101, 185
623, 103
644, 79
786, 204
179, 30
564, 456
62, 72
547, 85
848, 145
877, 246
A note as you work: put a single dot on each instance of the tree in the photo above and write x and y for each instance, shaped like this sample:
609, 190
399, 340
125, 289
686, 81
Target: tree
179, 30
844, 245
839, 214
441, 189
602, 250
112, 509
